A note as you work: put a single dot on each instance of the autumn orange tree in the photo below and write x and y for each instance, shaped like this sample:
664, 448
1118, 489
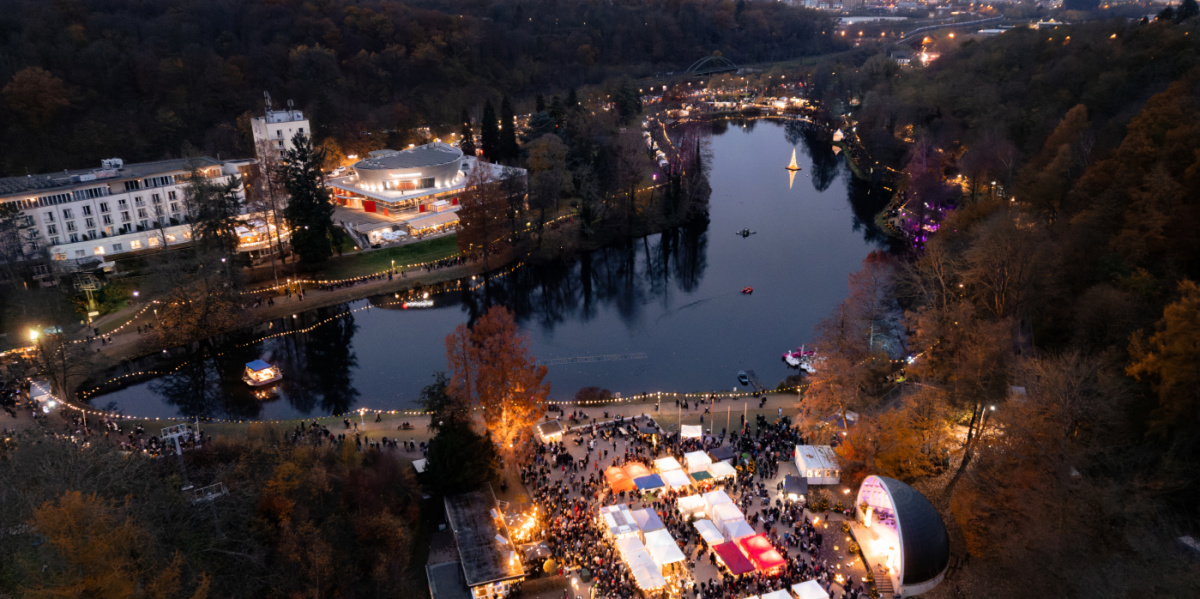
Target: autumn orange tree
1169, 360
493, 371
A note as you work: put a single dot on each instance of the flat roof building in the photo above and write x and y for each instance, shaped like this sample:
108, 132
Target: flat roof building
489, 559
818, 464
273, 132
91, 214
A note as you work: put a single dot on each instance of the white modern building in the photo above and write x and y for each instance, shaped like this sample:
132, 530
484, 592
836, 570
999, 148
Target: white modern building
276, 129
96, 213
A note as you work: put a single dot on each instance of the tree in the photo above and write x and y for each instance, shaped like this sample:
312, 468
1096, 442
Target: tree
1167, 360
1187, 10
214, 209
481, 218
197, 300
509, 150
267, 195
489, 133
492, 370
18, 239
548, 175
444, 411
37, 95
467, 145
309, 212
63, 361
460, 459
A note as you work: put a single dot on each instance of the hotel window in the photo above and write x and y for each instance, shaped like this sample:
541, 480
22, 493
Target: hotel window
60, 256
158, 210
174, 207
170, 239
157, 199
122, 204
89, 223
171, 195
117, 247
141, 213
68, 214
52, 229
103, 206
132, 185
99, 251
153, 241
91, 234
54, 241
124, 217
87, 210
144, 224
80, 253
107, 218
138, 201
136, 244
70, 225
74, 237
49, 217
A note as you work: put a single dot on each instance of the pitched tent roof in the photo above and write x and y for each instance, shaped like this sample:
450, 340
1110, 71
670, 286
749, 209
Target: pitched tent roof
691, 431
550, 428
663, 548
619, 480
667, 463
780, 594
733, 558
619, 520
647, 520
696, 460
737, 529
726, 512
715, 498
810, 589
636, 470
709, 532
646, 573
720, 454
690, 504
676, 479
257, 365
701, 475
648, 483
722, 470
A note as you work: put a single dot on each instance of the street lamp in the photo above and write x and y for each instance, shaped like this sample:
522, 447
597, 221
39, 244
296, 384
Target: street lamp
33, 335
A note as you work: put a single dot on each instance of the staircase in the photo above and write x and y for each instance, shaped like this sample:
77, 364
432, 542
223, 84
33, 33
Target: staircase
883, 583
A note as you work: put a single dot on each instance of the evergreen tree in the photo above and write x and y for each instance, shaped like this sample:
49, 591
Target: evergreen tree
1187, 10
572, 99
468, 136
215, 208
308, 212
557, 111
489, 133
509, 150
540, 104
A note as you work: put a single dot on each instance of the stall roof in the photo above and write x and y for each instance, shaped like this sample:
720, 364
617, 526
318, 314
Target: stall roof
737, 529
733, 558
691, 431
648, 483
726, 512
696, 460
720, 454
257, 365
618, 519
780, 594
663, 548
715, 498
618, 480
419, 465
647, 520
676, 479
667, 463
795, 485
810, 589
722, 470
550, 428
646, 573
479, 537
433, 220
701, 475
817, 456
635, 470
709, 532
690, 504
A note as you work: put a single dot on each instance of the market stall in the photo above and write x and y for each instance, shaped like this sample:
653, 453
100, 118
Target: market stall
713, 499
636, 470
721, 454
618, 521
809, 589
738, 529
618, 480
667, 464
691, 431
691, 505
762, 553
722, 470
647, 520
663, 549
697, 461
676, 479
731, 556
724, 513
709, 532
649, 483
646, 574
780, 594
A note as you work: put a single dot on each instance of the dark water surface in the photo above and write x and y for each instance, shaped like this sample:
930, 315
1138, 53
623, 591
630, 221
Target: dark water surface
673, 297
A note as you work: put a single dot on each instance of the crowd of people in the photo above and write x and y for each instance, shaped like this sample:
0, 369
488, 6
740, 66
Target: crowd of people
569, 487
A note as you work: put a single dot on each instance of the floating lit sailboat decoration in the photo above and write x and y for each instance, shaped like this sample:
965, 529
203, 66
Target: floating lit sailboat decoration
792, 168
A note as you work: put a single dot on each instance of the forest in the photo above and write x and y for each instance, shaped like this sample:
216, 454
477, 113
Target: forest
139, 78
1049, 405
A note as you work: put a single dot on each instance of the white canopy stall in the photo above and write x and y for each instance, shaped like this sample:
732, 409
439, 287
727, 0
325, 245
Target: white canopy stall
810, 589
676, 479
663, 548
619, 521
691, 431
645, 572
738, 529
713, 499
691, 505
721, 470
667, 464
697, 460
709, 532
780, 594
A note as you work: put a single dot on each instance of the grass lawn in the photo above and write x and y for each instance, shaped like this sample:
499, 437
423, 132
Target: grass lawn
365, 263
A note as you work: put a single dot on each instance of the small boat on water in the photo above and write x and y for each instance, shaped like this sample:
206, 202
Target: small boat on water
743, 378
792, 166
804, 359
259, 373
747, 290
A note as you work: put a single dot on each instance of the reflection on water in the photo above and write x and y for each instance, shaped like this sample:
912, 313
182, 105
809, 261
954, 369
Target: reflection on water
670, 300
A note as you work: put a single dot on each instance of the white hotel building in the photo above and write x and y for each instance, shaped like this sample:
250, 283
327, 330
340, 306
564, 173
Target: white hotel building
118, 208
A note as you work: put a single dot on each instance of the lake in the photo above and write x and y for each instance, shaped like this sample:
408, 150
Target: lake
661, 313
